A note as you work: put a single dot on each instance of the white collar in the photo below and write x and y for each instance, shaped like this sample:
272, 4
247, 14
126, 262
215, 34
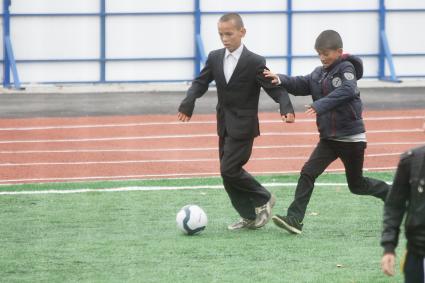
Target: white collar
237, 53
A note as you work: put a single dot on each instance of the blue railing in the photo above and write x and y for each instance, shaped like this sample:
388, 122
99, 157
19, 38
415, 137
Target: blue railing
10, 64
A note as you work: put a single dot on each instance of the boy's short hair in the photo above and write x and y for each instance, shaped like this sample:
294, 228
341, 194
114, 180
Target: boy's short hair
235, 17
328, 39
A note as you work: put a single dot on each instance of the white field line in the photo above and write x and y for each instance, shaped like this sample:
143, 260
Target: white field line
152, 161
266, 147
187, 136
117, 177
168, 175
155, 188
140, 124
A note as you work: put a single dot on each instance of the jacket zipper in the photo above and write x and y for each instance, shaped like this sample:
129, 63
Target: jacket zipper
353, 112
324, 85
325, 91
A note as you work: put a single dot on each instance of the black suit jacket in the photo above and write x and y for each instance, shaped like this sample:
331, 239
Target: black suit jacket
237, 108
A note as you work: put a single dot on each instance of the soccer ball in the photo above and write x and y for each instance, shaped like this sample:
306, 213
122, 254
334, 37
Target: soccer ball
191, 219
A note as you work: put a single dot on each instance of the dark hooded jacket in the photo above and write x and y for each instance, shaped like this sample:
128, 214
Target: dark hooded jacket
336, 97
406, 198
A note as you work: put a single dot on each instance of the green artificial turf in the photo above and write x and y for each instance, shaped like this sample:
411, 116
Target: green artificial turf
132, 236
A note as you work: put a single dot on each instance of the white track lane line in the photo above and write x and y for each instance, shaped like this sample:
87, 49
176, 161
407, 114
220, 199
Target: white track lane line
168, 176
266, 147
152, 161
196, 136
118, 125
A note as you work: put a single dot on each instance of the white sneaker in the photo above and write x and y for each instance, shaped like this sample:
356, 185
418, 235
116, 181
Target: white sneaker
264, 213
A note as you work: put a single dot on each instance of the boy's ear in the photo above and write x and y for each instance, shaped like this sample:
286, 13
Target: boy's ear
340, 51
243, 31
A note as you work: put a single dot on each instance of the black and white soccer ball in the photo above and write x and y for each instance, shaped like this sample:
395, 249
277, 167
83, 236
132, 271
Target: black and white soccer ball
191, 219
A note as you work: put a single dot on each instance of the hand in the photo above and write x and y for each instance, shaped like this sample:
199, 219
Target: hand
183, 117
288, 118
387, 264
274, 77
310, 110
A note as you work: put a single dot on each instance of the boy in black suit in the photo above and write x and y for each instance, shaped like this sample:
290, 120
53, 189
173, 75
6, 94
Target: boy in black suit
338, 110
238, 74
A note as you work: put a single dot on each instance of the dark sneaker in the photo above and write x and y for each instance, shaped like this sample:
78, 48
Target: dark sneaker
264, 213
288, 223
241, 224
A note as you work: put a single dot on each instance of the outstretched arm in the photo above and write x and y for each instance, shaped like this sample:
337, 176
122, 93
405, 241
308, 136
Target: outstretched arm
298, 85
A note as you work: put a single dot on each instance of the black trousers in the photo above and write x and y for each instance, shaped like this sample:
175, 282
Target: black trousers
414, 268
244, 191
326, 151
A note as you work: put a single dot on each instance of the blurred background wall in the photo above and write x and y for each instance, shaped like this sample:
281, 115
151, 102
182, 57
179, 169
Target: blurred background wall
101, 41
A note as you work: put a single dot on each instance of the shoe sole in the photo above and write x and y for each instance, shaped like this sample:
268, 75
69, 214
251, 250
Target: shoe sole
282, 224
248, 226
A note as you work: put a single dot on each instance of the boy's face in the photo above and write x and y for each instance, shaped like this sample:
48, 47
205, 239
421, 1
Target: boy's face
230, 35
329, 56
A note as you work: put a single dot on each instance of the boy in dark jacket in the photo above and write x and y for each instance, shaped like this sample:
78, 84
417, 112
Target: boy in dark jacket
407, 197
338, 110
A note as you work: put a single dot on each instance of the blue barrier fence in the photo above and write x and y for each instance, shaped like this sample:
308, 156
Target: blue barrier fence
10, 64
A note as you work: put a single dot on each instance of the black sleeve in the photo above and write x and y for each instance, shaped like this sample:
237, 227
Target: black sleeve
395, 205
198, 88
278, 94
298, 85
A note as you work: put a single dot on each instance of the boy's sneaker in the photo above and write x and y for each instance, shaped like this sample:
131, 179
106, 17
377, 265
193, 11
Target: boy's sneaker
264, 213
241, 224
288, 223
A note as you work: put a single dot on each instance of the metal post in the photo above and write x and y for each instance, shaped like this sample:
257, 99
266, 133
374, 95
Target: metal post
102, 40
201, 49
197, 14
381, 66
289, 38
6, 33
389, 57
9, 63
384, 47
12, 63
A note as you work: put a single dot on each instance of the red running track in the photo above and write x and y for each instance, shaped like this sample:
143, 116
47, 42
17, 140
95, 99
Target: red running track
141, 147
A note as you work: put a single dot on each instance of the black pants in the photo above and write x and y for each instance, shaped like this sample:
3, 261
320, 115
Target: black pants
326, 151
414, 268
244, 191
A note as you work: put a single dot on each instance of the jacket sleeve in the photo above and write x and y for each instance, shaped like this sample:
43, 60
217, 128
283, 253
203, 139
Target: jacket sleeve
395, 205
278, 94
298, 86
197, 89
346, 92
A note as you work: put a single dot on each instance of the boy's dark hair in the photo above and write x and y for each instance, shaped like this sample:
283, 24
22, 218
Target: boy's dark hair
328, 39
235, 17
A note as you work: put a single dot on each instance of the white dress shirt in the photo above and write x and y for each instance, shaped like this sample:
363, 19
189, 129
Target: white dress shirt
230, 61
